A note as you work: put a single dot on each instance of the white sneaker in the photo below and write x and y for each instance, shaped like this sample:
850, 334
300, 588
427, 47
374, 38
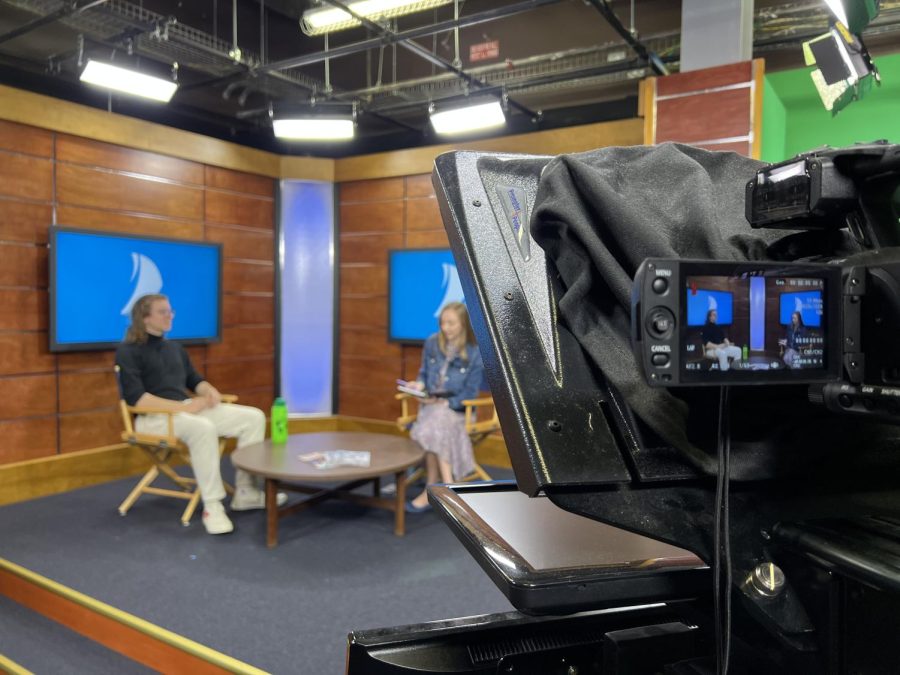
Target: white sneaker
248, 499
214, 519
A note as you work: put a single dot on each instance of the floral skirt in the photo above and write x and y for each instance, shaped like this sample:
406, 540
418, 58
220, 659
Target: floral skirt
441, 430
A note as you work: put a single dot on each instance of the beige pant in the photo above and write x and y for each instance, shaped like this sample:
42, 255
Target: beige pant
201, 432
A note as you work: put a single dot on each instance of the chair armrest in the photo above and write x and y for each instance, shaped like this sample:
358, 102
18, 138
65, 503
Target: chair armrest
478, 402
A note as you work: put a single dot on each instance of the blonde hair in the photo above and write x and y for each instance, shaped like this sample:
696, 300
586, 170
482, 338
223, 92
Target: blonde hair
137, 332
467, 337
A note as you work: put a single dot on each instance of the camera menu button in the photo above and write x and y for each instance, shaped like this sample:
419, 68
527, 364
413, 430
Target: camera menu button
659, 285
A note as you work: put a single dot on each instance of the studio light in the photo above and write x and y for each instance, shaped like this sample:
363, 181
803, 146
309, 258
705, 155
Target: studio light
325, 19
854, 14
128, 81
463, 119
312, 128
844, 69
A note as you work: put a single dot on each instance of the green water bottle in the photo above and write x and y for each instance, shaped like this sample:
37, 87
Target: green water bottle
745, 353
279, 421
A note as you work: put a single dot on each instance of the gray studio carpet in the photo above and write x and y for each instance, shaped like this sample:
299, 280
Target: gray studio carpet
338, 567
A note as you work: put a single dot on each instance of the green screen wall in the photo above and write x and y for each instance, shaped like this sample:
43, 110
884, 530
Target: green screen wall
794, 119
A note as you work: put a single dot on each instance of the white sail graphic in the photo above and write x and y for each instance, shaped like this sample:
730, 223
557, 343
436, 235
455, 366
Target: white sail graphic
453, 291
712, 304
798, 306
149, 280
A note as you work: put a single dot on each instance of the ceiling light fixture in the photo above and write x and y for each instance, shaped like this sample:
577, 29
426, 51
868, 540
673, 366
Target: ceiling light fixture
468, 118
320, 20
313, 128
128, 81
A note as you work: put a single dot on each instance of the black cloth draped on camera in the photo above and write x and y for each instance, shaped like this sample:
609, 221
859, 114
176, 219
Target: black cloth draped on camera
598, 215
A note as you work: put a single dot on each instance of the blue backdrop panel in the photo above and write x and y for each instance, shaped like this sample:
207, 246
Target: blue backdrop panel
808, 303
699, 302
307, 296
98, 277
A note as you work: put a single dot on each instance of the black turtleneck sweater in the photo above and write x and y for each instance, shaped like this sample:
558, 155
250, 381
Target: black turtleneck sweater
157, 367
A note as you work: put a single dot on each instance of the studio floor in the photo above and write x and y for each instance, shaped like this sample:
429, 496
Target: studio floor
338, 567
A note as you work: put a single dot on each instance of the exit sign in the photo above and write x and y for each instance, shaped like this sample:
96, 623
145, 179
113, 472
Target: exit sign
484, 51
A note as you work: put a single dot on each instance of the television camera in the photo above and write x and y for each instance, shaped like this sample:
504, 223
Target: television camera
747, 529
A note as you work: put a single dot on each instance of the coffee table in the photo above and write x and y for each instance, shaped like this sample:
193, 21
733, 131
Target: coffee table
282, 468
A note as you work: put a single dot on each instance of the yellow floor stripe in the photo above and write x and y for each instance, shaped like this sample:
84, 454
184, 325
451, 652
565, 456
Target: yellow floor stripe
11, 667
152, 630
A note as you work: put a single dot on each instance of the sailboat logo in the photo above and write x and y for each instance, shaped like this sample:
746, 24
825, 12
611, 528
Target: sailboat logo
453, 291
149, 280
711, 304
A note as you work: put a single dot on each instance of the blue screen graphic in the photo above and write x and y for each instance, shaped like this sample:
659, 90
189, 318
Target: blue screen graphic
97, 277
808, 303
421, 282
699, 302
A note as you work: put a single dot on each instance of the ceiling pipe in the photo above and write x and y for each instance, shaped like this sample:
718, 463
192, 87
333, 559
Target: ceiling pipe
422, 52
645, 55
411, 34
67, 10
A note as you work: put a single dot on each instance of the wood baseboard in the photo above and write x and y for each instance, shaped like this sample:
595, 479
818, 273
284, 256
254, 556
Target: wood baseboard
34, 478
139, 640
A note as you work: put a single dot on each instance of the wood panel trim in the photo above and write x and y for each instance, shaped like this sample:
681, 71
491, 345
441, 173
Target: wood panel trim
41, 477
648, 108
550, 142
125, 633
55, 114
756, 112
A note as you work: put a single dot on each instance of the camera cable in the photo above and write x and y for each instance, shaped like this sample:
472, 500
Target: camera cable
722, 541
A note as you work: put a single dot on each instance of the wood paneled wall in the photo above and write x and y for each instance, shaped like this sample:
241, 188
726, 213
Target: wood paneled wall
715, 108
377, 215
57, 403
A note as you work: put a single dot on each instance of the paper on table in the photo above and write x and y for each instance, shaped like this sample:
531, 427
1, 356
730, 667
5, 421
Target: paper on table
330, 459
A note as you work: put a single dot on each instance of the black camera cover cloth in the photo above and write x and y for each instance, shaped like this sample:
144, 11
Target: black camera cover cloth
599, 214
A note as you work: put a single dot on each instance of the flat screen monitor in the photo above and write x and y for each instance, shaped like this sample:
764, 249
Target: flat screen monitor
95, 278
808, 303
700, 301
421, 282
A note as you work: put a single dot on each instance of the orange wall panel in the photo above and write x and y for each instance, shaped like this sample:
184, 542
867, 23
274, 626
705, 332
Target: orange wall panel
240, 341
23, 309
365, 311
128, 223
28, 140
427, 239
423, 214
94, 153
27, 438
26, 177
79, 390
86, 430
231, 208
24, 221
27, 396
25, 353
704, 117
247, 309
419, 186
238, 181
248, 373
372, 190
23, 266
363, 278
84, 186
242, 243
248, 275
373, 217
368, 248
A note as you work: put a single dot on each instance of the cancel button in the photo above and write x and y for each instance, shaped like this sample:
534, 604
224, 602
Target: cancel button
660, 360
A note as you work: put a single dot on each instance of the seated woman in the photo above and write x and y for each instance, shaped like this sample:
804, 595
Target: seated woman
716, 345
792, 342
451, 367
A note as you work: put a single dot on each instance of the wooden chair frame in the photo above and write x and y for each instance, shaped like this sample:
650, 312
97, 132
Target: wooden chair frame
477, 430
161, 449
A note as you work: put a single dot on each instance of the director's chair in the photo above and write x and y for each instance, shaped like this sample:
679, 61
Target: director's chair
162, 449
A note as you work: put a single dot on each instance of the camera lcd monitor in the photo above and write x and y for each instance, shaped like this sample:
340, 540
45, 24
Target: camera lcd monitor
96, 277
700, 301
808, 303
421, 282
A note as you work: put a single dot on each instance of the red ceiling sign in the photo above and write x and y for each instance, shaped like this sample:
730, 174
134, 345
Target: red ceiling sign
484, 51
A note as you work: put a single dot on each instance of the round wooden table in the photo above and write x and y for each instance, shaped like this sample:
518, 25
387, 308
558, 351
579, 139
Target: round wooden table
282, 468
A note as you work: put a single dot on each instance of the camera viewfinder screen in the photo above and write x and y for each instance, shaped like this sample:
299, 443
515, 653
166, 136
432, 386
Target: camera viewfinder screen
753, 323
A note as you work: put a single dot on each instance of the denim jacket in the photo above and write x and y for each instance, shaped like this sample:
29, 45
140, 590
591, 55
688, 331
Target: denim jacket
463, 377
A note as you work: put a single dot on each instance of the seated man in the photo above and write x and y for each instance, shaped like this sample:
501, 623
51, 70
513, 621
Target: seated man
157, 373
715, 344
